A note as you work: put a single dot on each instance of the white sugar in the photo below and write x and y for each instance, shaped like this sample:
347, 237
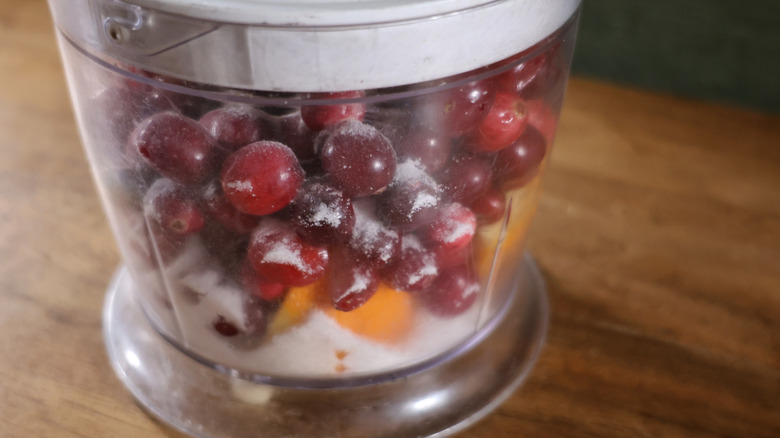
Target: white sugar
286, 254
241, 186
325, 215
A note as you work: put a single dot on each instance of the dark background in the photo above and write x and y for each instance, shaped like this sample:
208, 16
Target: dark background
719, 50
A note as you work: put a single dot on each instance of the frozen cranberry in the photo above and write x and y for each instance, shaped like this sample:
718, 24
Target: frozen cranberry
280, 255
172, 209
236, 126
525, 78
318, 117
293, 132
358, 158
503, 125
452, 229
392, 121
542, 117
349, 283
258, 285
178, 147
430, 148
519, 163
246, 326
490, 207
457, 110
261, 178
220, 209
415, 269
227, 247
466, 178
121, 109
454, 291
321, 213
371, 241
454, 258
412, 199
225, 327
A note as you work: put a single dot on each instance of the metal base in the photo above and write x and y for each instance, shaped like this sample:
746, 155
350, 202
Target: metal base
437, 401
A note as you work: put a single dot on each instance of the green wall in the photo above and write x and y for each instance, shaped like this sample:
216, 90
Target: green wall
722, 50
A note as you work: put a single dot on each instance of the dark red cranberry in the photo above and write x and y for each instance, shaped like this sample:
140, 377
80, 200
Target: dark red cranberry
178, 147
453, 229
458, 257
503, 124
321, 213
225, 327
542, 117
350, 283
415, 269
358, 158
236, 126
172, 209
519, 163
430, 148
524, 79
318, 117
457, 110
258, 285
121, 109
454, 292
221, 210
490, 207
280, 255
290, 130
261, 178
412, 199
466, 178
371, 241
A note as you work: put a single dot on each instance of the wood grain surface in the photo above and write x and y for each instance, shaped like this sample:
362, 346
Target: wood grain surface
658, 234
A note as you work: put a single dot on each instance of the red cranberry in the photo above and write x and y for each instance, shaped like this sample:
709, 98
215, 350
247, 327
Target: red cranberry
519, 163
457, 110
454, 292
542, 117
432, 149
452, 230
172, 209
412, 199
321, 213
350, 284
503, 125
466, 178
318, 117
258, 285
235, 126
458, 257
178, 147
490, 207
225, 327
525, 77
415, 269
280, 255
371, 241
220, 209
293, 132
261, 178
357, 158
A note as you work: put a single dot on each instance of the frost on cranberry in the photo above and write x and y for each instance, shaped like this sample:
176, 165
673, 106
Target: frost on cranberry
319, 117
236, 126
121, 109
321, 213
221, 210
453, 292
371, 241
453, 229
261, 178
178, 147
415, 269
280, 255
172, 210
350, 283
412, 199
519, 163
430, 148
357, 158
455, 111
466, 178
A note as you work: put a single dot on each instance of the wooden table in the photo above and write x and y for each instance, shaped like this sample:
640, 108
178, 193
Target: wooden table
658, 234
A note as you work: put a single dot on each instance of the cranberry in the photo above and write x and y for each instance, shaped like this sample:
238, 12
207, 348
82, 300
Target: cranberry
178, 147
542, 117
415, 269
525, 78
221, 210
258, 285
121, 109
452, 230
454, 291
225, 327
430, 148
293, 132
412, 199
458, 257
318, 117
466, 178
490, 207
261, 178
519, 163
371, 241
503, 124
171, 208
235, 126
357, 158
350, 284
393, 122
321, 213
457, 110
280, 255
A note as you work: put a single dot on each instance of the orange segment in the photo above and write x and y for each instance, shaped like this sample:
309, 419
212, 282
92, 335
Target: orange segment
295, 307
387, 317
